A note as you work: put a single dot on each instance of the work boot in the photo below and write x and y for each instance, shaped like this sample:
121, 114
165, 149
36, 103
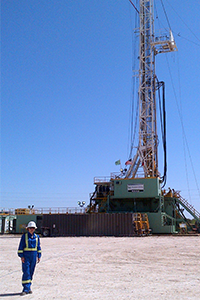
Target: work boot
23, 294
30, 292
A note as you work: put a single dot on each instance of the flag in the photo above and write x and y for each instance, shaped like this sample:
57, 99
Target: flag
128, 162
118, 162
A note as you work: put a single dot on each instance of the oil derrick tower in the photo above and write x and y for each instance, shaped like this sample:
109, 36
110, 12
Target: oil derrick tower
146, 156
138, 188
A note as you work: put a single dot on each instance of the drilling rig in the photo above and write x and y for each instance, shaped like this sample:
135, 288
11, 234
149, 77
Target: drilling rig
139, 188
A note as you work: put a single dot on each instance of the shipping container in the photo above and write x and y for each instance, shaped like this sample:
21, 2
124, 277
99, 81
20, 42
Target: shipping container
116, 224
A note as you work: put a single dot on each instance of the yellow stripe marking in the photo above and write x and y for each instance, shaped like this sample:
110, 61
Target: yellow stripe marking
26, 281
26, 241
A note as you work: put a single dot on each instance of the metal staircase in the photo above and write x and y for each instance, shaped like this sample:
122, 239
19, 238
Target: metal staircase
190, 208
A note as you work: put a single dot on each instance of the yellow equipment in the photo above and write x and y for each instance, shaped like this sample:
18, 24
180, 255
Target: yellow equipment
141, 224
183, 228
22, 211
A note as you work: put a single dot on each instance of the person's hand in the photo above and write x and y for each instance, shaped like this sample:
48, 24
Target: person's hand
38, 260
23, 259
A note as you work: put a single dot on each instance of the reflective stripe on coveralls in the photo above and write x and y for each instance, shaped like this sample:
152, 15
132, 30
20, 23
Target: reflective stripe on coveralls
26, 281
26, 241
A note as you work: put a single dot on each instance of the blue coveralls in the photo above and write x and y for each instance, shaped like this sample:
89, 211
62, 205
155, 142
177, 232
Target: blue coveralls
29, 248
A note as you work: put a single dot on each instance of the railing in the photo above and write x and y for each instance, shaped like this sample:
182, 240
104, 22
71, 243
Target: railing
113, 176
7, 211
59, 210
107, 179
189, 206
185, 203
101, 179
43, 210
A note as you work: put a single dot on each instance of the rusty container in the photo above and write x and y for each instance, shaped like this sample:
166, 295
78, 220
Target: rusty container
105, 224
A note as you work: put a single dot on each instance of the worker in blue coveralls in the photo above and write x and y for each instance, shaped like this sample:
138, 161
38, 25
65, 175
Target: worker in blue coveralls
30, 252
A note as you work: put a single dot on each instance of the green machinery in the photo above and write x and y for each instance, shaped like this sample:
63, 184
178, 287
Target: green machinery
138, 188
164, 209
11, 221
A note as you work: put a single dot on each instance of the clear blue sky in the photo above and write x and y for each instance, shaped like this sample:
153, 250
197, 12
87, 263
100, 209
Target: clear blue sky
66, 92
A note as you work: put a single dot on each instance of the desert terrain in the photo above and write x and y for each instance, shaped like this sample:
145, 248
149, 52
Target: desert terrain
88, 268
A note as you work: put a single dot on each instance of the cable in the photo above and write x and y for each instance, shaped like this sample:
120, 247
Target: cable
159, 21
183, 129
134, 85
134, 6
165, 14
163, 127
178, 34
184, 146
184, 22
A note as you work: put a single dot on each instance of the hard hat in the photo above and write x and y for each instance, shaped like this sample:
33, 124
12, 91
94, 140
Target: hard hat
31, 224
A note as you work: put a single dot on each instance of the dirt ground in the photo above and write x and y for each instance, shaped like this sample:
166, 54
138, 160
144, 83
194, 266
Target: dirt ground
84, 268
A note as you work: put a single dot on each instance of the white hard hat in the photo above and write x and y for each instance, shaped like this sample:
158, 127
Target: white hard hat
31, 224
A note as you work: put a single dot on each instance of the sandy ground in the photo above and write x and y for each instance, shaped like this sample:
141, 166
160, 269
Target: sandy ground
155, 267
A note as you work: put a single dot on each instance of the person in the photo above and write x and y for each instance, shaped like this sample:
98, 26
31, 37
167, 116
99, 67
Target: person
30, 252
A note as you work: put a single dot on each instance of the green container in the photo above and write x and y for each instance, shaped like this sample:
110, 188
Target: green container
137, 188
22, 221
160, 222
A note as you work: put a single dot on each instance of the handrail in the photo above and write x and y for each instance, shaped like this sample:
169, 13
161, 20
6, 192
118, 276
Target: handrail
43, 210
102, 179
191, 207
187, 204
59, 210
7, 211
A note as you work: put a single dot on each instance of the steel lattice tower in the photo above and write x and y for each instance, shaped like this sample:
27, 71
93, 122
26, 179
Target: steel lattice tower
147, 150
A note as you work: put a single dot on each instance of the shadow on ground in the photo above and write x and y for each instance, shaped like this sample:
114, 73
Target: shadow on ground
10, 294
